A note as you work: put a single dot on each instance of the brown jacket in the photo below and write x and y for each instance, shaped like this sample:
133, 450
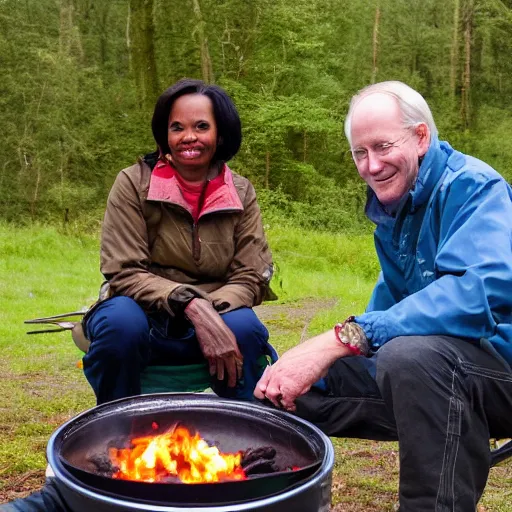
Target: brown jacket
151, 249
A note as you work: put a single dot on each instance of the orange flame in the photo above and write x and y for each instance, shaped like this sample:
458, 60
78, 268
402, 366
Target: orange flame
176, 453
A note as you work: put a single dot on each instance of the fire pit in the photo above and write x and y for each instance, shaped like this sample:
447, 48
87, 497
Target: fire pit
302, 456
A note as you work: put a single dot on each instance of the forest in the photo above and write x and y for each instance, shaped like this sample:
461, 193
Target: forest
80, 79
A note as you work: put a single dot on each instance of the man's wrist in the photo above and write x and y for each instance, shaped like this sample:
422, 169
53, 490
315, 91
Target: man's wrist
352, 336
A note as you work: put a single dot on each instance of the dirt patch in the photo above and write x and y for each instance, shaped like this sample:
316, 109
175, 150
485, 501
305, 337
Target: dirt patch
282, 319
359, 499
305, 308
21, 485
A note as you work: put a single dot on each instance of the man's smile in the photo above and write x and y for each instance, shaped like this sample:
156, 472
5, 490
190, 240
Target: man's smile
387, 178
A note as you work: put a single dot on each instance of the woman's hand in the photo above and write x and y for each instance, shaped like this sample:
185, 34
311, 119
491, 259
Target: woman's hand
216, 340
298, 369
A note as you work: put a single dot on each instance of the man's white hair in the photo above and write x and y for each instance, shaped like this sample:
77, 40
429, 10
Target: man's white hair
412, 104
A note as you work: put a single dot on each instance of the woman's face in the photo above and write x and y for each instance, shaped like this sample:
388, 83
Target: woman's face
192, 135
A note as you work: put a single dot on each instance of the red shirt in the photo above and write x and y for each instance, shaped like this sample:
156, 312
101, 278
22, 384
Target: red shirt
191, 193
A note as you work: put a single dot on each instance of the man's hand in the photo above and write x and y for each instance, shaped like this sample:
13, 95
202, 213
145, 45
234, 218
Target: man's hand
298, 369
216, 340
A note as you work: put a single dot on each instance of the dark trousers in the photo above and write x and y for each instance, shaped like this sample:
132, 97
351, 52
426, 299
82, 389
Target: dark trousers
442, 398
48, 499
124, 341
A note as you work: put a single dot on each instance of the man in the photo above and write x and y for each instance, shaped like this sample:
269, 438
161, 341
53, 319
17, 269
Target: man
428, 363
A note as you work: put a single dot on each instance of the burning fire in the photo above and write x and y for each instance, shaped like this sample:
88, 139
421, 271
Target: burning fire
175, 453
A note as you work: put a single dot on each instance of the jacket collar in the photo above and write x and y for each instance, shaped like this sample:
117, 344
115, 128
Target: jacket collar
429, 173
164, 187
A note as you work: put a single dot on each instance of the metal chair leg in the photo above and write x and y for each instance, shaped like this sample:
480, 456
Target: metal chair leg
502, 453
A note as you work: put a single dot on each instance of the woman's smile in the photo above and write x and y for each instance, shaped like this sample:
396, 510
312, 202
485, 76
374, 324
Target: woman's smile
190, 153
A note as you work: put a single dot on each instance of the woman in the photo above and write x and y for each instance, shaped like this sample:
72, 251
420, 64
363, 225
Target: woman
184, 254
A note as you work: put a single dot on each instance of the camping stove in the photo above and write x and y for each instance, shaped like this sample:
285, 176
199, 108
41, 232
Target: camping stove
231, 426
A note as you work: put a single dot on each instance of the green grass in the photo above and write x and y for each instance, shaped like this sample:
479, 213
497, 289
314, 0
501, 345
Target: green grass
321, 278
42, 272
320, 264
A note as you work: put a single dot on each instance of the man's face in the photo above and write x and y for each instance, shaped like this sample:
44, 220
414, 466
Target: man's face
385, 152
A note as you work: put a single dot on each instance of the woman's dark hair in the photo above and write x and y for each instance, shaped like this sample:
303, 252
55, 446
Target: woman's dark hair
229, 129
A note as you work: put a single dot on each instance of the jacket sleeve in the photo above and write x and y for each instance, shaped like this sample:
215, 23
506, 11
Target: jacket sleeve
125, 256
250, 271
473, 269
381, 298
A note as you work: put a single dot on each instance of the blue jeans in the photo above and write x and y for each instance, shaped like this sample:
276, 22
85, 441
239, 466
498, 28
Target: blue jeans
442, 398
124, 341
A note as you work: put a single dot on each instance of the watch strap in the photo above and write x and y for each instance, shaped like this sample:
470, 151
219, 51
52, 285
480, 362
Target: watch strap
351, 335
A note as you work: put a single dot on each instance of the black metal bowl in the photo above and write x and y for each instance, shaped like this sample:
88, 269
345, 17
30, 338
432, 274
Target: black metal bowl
230, 425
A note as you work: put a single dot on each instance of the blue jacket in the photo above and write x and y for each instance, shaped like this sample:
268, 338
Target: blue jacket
446, 257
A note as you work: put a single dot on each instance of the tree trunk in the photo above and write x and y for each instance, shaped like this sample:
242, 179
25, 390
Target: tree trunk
466, 73
127, 33
267, 169
454, 53
142, 51
104, 31
206, 62
70, 42
35, 197
29, 14
65, 25
376, 24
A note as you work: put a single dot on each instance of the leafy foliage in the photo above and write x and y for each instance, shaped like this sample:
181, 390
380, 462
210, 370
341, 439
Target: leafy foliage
80, 78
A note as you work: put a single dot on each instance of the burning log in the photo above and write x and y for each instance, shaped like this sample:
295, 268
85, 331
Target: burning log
178, 456
257, 461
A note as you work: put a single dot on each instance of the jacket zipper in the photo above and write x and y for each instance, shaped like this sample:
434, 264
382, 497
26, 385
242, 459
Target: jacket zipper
196, 243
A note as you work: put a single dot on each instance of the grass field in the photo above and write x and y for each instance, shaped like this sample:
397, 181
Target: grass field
43, 271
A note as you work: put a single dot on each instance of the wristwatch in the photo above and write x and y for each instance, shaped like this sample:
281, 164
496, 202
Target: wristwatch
351, 335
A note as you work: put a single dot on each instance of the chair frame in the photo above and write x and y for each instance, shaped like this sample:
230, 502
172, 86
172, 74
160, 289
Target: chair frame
502, 453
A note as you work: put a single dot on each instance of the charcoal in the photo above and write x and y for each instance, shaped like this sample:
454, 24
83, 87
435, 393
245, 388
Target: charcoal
261, 467
102, 464
254, 454
259, 461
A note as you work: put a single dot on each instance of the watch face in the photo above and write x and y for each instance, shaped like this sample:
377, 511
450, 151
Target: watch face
337, 332
347, 338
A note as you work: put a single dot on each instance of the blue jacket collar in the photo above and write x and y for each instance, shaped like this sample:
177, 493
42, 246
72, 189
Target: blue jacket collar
429, 173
